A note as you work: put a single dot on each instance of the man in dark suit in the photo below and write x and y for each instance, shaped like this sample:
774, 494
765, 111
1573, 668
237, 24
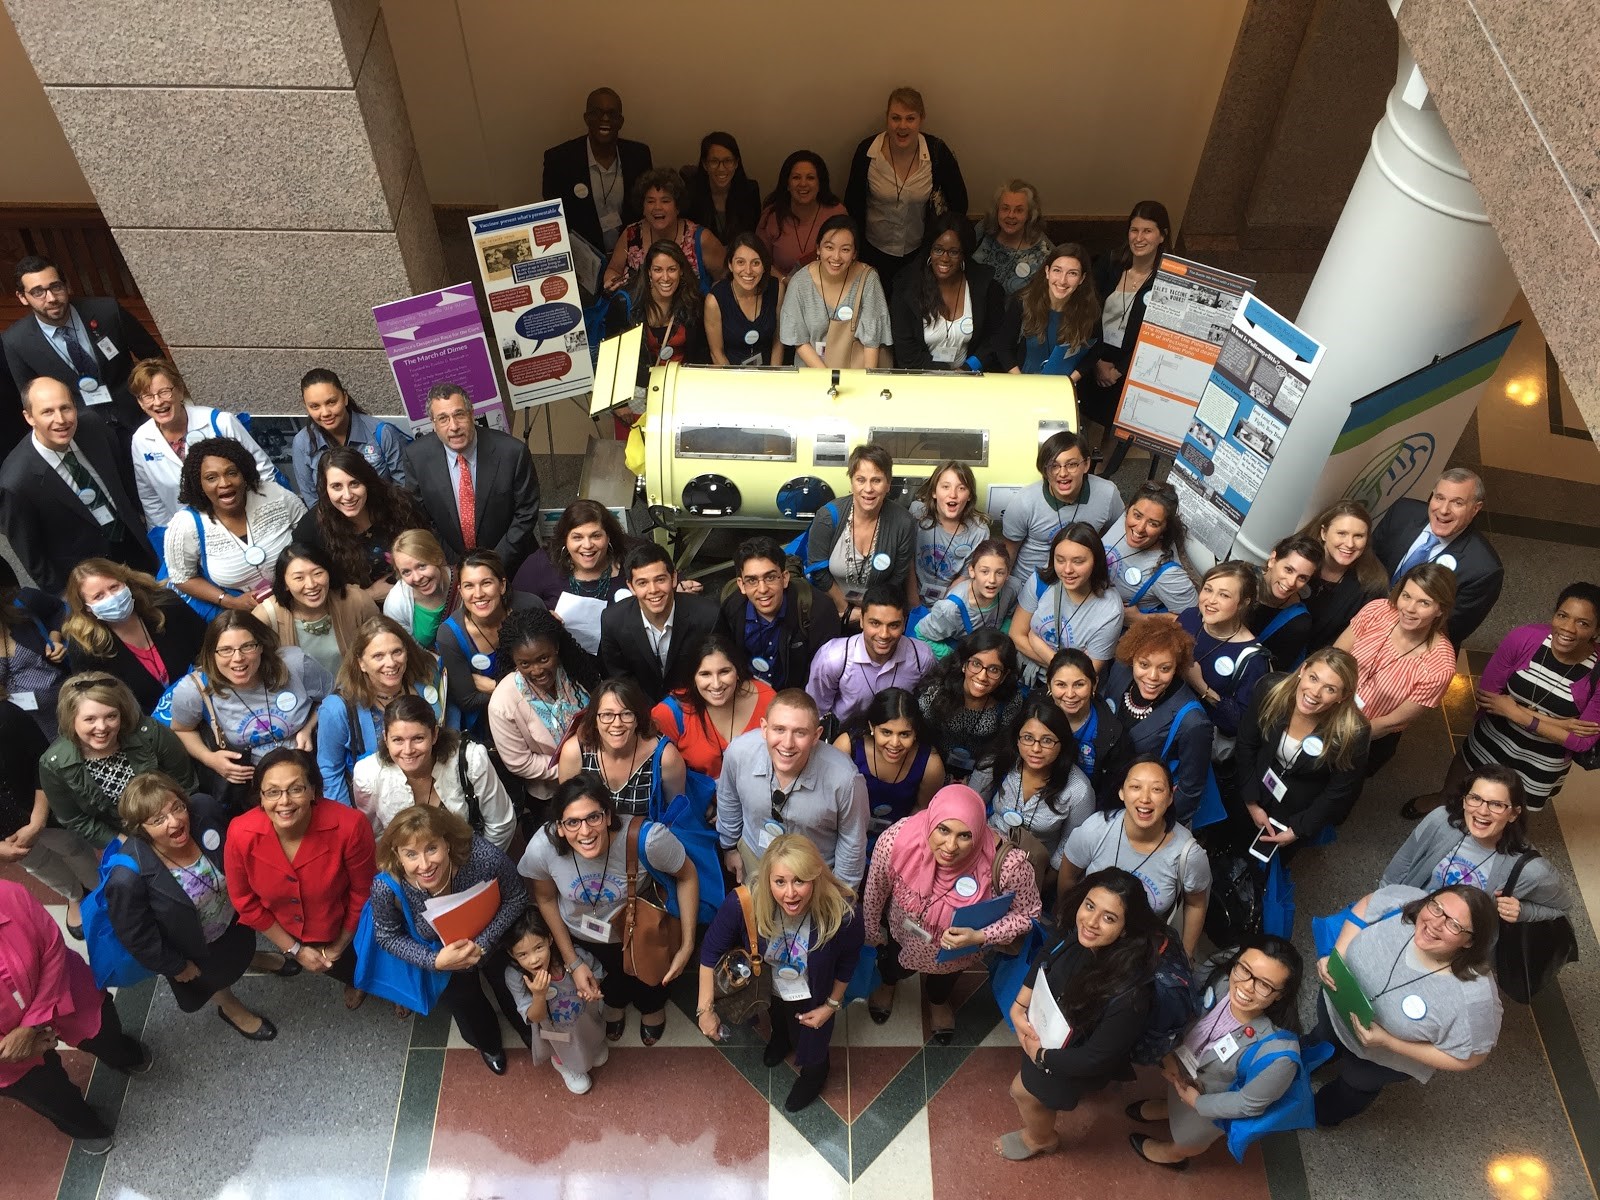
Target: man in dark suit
478, 486
594, 175
652, 635
66, 492
1440, 531
80, 342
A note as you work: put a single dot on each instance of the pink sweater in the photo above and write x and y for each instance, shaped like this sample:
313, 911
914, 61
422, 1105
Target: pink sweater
1515, 651
527, 748
883, 889
53, 983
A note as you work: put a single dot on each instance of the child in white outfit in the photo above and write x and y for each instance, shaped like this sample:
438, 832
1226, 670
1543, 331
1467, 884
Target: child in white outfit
567, 1030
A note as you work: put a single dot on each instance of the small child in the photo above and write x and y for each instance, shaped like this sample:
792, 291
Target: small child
979, 599
566, 1030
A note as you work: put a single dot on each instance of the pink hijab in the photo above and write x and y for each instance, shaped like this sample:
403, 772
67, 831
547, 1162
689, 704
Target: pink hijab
912, 863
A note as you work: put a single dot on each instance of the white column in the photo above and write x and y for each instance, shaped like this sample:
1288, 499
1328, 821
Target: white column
1413, 272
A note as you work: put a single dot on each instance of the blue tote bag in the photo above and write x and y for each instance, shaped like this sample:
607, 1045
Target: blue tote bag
381, 974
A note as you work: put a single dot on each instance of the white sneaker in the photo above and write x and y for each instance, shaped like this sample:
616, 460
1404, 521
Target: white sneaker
605, 1053
577, 1082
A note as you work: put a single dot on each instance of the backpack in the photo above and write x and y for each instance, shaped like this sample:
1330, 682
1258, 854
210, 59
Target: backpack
109, 959
800, 545
1162, 568
1172, 1007
1285, 615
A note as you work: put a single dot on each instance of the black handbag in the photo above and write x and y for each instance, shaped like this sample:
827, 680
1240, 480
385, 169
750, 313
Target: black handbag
1233, 909
1528, 955
1588, 759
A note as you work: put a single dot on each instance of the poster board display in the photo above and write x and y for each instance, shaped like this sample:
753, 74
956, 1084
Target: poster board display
1263, 367
525, 260
438, 337
1187, 315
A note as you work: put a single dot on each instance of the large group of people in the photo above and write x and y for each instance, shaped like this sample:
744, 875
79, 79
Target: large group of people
292, 713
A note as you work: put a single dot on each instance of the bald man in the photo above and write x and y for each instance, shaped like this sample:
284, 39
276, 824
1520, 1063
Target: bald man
594, 175
66, 493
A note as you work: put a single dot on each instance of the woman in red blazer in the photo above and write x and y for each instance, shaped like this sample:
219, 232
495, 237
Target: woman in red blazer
299, 867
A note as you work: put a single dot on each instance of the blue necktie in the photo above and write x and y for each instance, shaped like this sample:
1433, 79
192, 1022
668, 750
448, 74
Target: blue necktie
1420, 555
82, 362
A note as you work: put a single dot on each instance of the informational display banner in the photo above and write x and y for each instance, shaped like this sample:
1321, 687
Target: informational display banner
1398, 438
1253, 392
526, 262
438, 337
1187, 314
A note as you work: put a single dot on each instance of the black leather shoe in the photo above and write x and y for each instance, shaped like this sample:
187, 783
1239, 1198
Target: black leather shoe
266, 1033
1410, 811
495, 1060
807, 1088
1137, 1141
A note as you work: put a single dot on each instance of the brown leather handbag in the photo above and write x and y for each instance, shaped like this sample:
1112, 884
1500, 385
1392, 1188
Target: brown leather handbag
650, 934
742, 985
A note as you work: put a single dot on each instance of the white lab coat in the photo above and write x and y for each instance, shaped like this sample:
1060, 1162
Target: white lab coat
157, 470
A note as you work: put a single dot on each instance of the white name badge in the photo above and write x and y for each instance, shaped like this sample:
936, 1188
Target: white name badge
882, 810
844, 312
1012, 818
880, 561
430, 694
666, 353
480, 662
966, 325
1225, 665
966, 887
102, 514
1226, 1048
770, 832
789, 973
107, 347
1447, 561
255, 555
26, 701
760, 664
914, 927
1360, 703
554, 1035
593, 928
1273, 784
581, 191
1024, 270
610, 222
93, 393
211, 840
86, 495
751, 337
1414, 1007
1133, 575
286, 701
1313, 746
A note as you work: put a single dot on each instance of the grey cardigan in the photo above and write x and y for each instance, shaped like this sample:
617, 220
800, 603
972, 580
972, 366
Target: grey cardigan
1541, 891
897, 537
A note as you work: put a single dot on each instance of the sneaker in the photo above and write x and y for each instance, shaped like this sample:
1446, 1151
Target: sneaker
95, 1146
605, 1053
577, 1081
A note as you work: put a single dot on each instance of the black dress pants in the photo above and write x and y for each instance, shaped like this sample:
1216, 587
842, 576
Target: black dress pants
50, 1092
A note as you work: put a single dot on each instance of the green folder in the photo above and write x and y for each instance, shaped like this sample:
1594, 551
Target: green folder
1346, 996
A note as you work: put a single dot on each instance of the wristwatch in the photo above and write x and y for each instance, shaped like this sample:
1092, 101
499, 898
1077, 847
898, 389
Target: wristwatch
1038, 1059
294, 948
832, 1003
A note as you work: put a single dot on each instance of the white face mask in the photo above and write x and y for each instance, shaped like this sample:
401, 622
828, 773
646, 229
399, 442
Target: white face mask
118, 606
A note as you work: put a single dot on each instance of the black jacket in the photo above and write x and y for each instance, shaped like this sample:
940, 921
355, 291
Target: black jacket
988, 320
1113, 751
177, 642
566, 168
949, 189
152, 916
1479, 575
1106, 276
741, 210
29, 355
506, 492
1317, 794
625, 648
51, 530
801, 639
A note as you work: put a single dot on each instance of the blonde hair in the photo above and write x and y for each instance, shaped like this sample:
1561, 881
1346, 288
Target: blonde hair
1340, 728
102, 689
145, 798
143, 377
418, 822
89, 631
422, 545
832, 903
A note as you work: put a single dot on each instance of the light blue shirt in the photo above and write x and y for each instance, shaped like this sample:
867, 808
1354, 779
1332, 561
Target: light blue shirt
377, 441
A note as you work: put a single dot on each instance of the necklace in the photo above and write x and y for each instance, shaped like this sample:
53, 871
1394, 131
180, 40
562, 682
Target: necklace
600, 761
905, 765
801, 241
1133, 706
591, 589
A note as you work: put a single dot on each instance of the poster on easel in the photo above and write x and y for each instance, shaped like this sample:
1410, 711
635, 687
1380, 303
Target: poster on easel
1254, 391
438, 337
525, 259
1188, 312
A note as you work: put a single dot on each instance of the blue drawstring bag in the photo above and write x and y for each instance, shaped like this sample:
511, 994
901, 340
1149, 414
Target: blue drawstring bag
109, 959
1293, 1110
866, 978
381, 974
686, 816
1210, 810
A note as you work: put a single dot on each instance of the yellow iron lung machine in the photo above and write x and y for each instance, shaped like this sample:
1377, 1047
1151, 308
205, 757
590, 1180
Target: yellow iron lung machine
766, 429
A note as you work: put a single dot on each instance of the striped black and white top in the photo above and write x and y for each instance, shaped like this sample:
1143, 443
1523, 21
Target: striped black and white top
1544, 684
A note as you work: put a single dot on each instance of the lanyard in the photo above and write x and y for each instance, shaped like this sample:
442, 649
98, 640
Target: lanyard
1122, 828
1474, 867
1061, 590
599, 878
1406, 982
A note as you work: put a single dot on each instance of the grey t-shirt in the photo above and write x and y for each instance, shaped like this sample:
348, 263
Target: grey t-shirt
944, 622
1032, 520
1036, 816
260, 719
1093, 626
1101, 841
1437, 854
1459, 1016
1173, 589
598, 887
941, 555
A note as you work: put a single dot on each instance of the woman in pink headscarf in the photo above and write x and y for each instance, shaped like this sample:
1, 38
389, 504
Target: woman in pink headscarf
47, 994
924, 870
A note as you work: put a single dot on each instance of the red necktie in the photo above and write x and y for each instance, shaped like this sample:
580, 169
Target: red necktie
467, 502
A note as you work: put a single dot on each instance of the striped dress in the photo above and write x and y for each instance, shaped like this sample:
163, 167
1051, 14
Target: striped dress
1387, 677
1526, 669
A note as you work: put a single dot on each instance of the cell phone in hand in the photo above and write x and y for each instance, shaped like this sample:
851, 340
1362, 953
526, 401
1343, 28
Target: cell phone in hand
1263, 851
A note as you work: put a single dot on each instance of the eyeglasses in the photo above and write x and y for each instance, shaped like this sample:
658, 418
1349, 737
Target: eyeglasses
991, 670
767, 580
167, 815
1473, 800
1071, 467
615, 718
945, 252
573, 824
722, 162
294, 792
227, 652
1244, 975
452, 419
1435, 909
163, 394
47, 289
1044, 743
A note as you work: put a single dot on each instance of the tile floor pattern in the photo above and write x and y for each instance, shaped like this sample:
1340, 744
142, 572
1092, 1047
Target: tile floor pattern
361, 1105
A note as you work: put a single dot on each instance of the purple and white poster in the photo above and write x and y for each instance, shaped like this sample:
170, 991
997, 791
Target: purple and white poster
438, 337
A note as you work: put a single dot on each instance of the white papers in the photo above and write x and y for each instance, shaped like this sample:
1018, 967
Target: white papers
1044, 1014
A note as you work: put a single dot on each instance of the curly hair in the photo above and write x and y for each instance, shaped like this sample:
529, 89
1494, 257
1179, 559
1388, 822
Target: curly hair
1157, 637
661, 179
943, 690
189, 490
391, 510
523, 626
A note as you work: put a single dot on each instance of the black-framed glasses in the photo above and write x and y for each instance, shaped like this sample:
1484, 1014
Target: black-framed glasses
224, 653
1047, 742
1245, 975
573, 824
615, 718
992, 670
1436, 909
295, 791
47, 289
1497, 807
945, 251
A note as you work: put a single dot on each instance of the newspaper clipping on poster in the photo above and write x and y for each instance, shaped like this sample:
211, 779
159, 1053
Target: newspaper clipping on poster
1233, 435
1187, 314
438, 337
525, 258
